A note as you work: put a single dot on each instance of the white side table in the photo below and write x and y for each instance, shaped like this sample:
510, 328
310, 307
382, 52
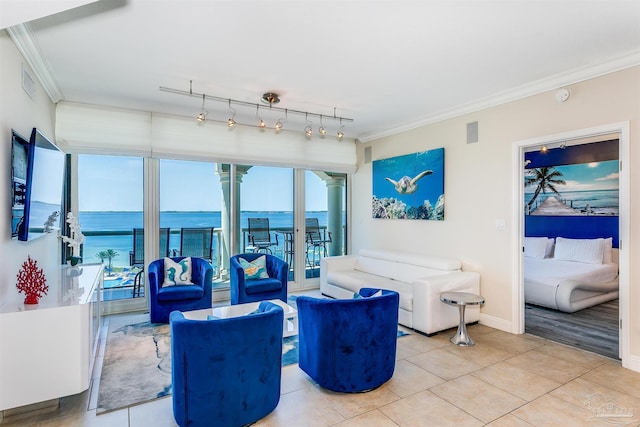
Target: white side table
462, 300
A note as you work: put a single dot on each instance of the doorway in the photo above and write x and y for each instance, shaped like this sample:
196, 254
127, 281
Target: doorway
621, 130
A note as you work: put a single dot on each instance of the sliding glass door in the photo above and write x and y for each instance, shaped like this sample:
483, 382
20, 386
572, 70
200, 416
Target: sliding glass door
266, 222
303, 211
110, 200
190, 210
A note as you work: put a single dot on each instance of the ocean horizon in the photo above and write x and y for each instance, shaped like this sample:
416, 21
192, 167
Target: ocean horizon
96, 221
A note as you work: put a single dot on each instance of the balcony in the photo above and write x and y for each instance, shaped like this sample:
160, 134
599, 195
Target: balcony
120, 278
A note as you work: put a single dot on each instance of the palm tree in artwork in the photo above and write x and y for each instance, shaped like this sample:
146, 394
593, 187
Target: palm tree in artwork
545, 179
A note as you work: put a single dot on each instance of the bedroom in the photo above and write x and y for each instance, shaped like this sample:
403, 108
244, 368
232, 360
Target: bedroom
571, 227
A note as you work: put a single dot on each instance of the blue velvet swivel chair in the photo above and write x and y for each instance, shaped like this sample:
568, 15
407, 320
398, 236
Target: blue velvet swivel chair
245, 290
164, 300
349, 345
226, 372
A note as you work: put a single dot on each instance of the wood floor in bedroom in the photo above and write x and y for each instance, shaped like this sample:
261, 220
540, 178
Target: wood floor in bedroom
593, 329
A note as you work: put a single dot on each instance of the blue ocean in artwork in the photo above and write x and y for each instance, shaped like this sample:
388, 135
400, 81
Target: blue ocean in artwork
127, 221
402, 189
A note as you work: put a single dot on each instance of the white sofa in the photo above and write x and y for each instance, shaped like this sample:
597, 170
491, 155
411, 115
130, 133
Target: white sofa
419, 279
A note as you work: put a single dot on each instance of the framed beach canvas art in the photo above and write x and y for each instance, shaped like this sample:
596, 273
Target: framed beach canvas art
409, 186
582, 189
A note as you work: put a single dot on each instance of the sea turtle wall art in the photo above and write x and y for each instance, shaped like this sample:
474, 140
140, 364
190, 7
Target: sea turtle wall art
409, 186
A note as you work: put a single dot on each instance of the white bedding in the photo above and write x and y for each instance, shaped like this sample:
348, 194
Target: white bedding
549, 271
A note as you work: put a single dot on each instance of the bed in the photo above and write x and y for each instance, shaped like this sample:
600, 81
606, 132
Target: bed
569, 274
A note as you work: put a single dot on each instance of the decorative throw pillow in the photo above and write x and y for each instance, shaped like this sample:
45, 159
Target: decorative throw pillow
256, 269
177, 273
356, 295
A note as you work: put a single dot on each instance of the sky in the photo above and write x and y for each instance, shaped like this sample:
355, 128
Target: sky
110, 183
587, 177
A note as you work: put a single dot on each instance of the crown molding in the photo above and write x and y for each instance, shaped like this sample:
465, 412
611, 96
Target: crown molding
22, 37
539, 86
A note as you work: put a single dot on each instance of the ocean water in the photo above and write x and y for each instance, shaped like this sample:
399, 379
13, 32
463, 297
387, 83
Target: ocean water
127, 221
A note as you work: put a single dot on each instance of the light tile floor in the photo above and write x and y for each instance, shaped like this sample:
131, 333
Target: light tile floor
504, 380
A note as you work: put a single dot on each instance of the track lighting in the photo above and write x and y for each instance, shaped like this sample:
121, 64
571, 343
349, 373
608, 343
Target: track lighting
278, 125
308, 130
269, 98
322, 130
203, 113
231, 122
261, 123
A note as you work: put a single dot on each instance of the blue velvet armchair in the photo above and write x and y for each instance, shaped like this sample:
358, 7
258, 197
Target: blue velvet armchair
226, 372
164, 300
250, 290
349, 345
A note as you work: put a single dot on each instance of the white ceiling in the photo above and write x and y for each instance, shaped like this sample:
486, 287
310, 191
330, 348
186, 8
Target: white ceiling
389, 65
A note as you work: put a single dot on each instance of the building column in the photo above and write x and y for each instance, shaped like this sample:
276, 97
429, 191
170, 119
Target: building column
335, 190
223, 171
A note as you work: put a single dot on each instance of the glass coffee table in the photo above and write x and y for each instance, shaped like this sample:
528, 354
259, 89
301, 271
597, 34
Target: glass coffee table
290, 326
462, 300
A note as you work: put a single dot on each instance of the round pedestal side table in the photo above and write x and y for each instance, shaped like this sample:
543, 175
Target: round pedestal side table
462, 300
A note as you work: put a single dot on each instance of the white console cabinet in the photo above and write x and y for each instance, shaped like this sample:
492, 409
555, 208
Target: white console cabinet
47, 350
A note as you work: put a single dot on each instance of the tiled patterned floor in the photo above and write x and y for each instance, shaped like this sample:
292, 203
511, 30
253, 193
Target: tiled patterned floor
504, 380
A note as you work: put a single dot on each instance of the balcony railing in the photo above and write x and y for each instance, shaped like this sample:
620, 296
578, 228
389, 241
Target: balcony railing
122, 281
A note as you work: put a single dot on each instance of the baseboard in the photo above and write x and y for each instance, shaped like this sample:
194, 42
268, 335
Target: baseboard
632, 363
27, 411
495, 322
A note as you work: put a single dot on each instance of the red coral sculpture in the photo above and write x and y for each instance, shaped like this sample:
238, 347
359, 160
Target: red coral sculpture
31, 281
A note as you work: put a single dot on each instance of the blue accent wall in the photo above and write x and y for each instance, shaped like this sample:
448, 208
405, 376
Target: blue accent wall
572, 227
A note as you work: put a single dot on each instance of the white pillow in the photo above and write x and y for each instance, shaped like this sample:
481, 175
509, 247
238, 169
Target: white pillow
548, 252
590, 251
535, 247
608, 251
177, 273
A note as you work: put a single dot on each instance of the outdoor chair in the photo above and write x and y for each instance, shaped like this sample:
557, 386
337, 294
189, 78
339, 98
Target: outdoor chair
245, 288
226, 372
196, 242
136, 256
317, 240
164, 299
260, 236
349, 345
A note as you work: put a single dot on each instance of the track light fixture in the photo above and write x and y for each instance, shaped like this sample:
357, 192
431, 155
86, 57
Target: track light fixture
308, 130
321, 130
231, 122
278, 125
203, 113
269, 98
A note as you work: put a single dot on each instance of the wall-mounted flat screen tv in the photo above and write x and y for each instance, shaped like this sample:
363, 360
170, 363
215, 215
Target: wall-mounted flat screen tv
37, 179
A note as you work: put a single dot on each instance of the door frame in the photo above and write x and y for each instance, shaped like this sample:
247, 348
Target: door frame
517, 234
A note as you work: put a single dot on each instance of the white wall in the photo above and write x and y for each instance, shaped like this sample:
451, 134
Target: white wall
21, 113
478, 183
